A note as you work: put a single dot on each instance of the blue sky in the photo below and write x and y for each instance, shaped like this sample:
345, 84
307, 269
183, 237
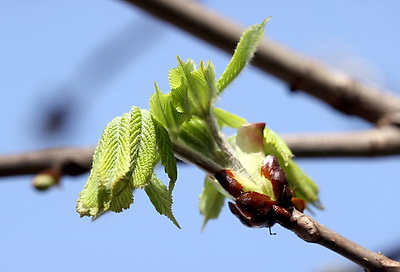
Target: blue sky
58, 52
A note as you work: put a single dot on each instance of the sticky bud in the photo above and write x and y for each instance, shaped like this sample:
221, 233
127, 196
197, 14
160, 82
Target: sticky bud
46, 179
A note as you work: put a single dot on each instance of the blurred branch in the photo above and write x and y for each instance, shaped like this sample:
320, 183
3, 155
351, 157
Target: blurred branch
313, 232
67, 160
337, 90
375, 142
74, 161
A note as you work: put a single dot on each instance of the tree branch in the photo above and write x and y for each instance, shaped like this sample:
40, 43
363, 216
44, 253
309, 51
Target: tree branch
337, 90
68, 160
313, 232
375, 142
74, 161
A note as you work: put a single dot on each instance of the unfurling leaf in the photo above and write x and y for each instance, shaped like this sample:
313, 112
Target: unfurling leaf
124, 159
211, 202
245, 50
304, 187
196, 135
161, 198
194, 90
227, 119
250, 151
166, 152
144, 157
253, 142
275, 145
164, 108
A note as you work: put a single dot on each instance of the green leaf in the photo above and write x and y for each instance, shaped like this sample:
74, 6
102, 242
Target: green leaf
124, 159
110, 171
275, 145
249, 144
196, 135
143, 136
211, 202
302, 184
196, 87
166, 152
225, 118
164, 110
161, 198
245, 50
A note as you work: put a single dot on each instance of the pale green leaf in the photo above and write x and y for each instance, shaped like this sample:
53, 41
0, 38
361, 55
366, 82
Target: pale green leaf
110, 171
166, 152
90, 202
161, 198
193, 90
196, 135
145, 156
301, 183
245, 50
275, 145
198, 92
250, 151
211, 202
165, 109
114, 165
225, 118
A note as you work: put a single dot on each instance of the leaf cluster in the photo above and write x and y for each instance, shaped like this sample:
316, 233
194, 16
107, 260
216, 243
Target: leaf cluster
185, 118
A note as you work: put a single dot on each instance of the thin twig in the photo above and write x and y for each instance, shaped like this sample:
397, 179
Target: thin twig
381, 141
200, 161
69, 160
337, 90
73, 161
223, 144
313, 232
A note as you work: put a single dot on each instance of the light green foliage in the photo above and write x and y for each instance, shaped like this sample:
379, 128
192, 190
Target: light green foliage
250, 151
253, 142
227, 119
164, 148
197, 87
185, 120
144, 151
211, 201
109, 174
302, 184
275, 145
123, 161
163, 108
196, 135
245, 50
161, 198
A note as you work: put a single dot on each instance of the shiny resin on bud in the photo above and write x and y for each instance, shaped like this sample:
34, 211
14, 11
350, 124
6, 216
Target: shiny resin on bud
258, 210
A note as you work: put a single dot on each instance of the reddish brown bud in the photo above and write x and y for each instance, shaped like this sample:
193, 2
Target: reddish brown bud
228, 180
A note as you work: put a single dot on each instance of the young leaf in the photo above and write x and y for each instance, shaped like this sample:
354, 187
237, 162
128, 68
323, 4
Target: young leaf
196, 135
110, 171
143, 137
124, 160
225, 118
245, 50
163, 109
161, 198
211, 202
249, 144
302, 184
275, 145
166, 152
198, 86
